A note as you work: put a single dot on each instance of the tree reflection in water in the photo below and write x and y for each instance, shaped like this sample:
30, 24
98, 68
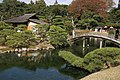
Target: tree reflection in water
38, 60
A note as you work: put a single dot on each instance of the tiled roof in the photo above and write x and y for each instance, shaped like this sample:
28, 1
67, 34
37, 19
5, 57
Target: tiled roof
38, 21
21, 19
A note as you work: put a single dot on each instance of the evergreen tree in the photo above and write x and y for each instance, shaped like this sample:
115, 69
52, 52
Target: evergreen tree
119, 5
11, 8
57, 36
39, 7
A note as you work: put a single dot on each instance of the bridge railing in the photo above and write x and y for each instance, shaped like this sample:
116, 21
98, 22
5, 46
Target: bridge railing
102, 34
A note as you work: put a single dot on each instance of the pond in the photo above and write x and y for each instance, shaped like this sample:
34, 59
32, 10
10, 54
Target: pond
43, 65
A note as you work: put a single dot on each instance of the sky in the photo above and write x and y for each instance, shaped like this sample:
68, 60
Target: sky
51, 2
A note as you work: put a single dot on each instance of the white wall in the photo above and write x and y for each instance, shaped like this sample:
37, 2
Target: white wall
32, 24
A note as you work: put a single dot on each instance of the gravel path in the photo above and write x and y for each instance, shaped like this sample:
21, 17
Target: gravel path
109, 74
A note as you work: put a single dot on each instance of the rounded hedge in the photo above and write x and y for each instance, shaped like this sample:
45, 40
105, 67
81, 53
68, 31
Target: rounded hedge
101, 58
96, 60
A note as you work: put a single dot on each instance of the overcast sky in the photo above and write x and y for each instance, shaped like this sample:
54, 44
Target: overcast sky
50, 2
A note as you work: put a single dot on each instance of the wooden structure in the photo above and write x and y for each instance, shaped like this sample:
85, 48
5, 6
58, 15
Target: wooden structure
30, 20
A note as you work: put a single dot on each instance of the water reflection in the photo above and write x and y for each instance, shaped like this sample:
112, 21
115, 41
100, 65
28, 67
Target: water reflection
40, 74
39, 65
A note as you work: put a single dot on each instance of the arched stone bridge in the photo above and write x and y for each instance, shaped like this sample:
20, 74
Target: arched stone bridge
117, 42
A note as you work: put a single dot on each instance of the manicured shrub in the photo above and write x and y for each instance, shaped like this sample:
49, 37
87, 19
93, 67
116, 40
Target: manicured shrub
71, 58
101, 58
94, 61
57, 36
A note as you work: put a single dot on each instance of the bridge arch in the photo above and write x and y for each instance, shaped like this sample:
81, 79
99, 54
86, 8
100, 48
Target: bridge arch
96, 36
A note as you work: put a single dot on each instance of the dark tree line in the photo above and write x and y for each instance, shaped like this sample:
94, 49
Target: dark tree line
13, 8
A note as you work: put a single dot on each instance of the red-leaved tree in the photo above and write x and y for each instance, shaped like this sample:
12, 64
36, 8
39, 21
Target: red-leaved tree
77, 7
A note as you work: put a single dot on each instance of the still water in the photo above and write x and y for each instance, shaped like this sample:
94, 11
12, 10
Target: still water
43, 65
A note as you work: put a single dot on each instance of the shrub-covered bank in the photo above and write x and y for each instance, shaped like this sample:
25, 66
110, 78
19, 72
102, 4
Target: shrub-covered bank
96, 60
71, 58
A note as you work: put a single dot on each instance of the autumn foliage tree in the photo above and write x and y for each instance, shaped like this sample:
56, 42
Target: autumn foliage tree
78, 7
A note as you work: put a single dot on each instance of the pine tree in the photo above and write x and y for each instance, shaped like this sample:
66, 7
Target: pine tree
40, 5
119, 5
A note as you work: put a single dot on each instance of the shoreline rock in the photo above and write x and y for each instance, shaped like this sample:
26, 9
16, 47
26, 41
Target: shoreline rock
40, 46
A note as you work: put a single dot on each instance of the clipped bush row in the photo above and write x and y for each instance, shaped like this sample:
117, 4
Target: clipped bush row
71, 58
95, 60
101, 58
